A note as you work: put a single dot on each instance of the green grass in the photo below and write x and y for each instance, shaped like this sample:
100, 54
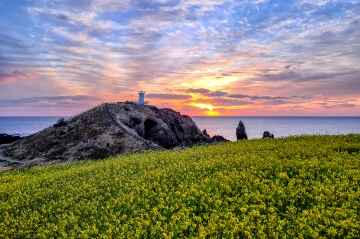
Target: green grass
304, 187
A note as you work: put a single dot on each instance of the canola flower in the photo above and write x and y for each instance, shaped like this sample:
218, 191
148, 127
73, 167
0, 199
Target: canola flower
298, 187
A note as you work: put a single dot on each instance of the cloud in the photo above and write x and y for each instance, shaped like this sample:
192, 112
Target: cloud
215, 94
9, 41
199, 91
50, 101
227, 52
207, 92
13, 77
169, 96
224, 102
305, 77
251, 97
337, 105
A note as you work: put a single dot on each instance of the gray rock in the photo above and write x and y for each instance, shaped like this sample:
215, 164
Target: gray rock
60, 122
109, 129
218, 139
268, 135
241, 131
215, 138
8, 139
205, 133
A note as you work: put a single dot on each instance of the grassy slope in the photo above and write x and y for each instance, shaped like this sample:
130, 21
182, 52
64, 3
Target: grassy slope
306, 186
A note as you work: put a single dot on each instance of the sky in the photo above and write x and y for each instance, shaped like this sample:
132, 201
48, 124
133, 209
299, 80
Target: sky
199, 57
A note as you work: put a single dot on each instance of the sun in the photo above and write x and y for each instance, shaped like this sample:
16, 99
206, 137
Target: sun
212, 113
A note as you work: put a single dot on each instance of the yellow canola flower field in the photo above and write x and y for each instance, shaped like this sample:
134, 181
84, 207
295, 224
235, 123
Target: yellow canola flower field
298, 187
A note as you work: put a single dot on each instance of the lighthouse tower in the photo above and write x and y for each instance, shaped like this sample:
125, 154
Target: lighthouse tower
141, 100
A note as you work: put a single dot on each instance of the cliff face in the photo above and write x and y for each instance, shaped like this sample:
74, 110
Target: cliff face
103, 131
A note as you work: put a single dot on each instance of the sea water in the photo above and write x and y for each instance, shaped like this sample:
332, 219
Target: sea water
225, 126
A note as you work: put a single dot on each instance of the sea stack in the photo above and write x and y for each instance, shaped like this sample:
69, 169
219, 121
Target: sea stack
241, 131
268, 135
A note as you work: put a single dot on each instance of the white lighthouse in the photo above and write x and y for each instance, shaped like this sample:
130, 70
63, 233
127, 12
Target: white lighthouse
141, 100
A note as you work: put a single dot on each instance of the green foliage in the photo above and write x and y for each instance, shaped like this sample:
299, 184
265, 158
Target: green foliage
300, 187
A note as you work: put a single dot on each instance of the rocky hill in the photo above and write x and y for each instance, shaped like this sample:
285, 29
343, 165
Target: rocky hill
109, 129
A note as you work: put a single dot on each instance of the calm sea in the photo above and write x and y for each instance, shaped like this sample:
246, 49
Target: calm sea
280, 126
25, 125
225, 126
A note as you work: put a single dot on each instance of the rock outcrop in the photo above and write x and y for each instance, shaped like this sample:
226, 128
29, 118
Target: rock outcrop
241, 131
215, 138
218, 139
268, 135
8, 139
109, 129
204, 132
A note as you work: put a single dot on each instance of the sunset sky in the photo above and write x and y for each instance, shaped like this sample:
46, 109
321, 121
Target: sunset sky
200, 57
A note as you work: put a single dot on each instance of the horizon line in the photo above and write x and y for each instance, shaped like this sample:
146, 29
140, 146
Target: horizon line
207, 116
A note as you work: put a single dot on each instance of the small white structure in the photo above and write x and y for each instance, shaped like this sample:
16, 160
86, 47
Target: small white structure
141, 100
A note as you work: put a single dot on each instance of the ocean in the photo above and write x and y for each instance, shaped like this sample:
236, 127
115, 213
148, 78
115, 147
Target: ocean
225, 126
280, 126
